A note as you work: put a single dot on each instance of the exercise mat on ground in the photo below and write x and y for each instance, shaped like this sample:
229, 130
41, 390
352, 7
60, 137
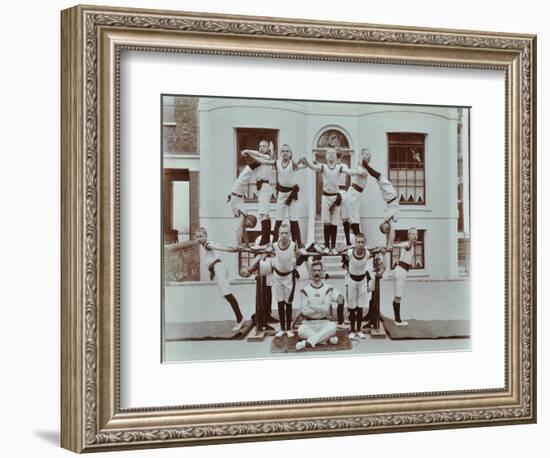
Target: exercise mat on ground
207, 330
428, 329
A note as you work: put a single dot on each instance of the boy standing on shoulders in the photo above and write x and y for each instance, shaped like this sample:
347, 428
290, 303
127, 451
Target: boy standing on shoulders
287, 191
352, 200
331, 172
263, 184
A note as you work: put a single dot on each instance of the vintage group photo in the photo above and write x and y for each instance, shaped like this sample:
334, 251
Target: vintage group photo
296, 228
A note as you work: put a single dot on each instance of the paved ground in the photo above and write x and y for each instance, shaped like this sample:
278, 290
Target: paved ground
424, 300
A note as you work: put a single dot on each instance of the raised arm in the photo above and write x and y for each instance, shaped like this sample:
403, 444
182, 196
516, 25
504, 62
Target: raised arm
219, 247
300, 164
256, 262
259, 157
184, 244
313, 165
298, 251
372, 282
341, 249
406, 244
358, 172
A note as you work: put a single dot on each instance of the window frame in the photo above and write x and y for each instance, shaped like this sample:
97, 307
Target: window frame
252, 234
395, 253
410, 142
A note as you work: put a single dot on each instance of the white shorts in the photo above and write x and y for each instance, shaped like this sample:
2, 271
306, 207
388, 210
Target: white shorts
392, 211
344, 213
352, 204
326, 216
281, 208
264, 199
237, 205
399, 277
358, 294
221, 277
317, 331
282, 286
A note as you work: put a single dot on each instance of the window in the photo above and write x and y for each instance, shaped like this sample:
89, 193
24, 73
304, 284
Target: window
246, 259
250, 138
406, 166
168, 124
333, 139
418, 258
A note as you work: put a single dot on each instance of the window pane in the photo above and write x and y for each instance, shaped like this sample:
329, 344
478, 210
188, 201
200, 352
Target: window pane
406, 166
169, 113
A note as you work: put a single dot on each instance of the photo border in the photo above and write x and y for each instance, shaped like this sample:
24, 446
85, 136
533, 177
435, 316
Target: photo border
92, 40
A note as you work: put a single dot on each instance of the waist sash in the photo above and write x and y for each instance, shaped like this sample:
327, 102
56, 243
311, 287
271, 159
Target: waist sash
292, 190
404, 265
259, 184
358, 188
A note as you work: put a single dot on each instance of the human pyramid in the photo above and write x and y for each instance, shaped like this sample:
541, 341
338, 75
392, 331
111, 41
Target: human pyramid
279, 252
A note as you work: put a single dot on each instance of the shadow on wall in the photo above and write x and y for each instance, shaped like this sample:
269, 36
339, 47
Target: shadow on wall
51, 437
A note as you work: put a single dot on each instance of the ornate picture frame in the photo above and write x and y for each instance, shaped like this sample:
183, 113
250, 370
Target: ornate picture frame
93, 39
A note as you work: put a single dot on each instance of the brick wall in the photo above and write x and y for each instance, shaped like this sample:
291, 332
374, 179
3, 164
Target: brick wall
181, 263
186, 130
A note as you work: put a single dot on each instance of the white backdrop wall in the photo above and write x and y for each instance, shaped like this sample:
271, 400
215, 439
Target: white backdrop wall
300, 124
29, 187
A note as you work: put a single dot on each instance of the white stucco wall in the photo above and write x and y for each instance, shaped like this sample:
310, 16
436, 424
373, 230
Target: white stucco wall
300, 124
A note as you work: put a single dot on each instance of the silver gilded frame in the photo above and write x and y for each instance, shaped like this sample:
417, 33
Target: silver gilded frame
92, 40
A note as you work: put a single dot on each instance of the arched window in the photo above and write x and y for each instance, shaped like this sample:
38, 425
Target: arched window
332, 138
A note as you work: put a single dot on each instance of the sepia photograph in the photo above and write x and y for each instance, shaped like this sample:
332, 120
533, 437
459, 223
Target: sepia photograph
277, 228
298, 228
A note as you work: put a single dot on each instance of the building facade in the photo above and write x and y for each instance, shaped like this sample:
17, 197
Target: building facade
422, 150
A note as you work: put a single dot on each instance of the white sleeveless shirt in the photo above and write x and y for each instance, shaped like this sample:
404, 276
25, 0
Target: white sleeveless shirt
387, 189
286, 176
407, 255
359, 180
210, 255
331, 177
285, 259
358, 266
264, 172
